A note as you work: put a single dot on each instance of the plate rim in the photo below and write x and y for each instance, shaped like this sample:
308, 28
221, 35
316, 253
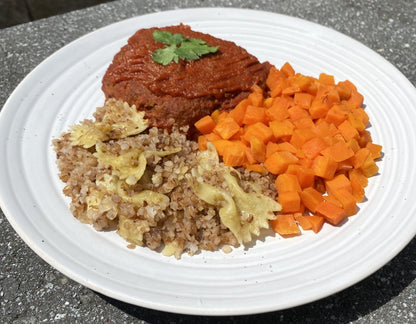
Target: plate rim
50, 260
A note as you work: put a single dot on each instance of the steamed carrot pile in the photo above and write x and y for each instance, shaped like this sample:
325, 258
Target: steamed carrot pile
310, 133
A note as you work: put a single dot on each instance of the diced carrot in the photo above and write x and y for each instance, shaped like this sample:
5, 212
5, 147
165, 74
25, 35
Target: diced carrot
316, 222
226, 128
285, 101
360, 113
305, 122
333, 200
347, 200
202, 142
254, 115
364, 138
249, 156
215, 115
336, 115
235, 155
356, 98
221, 145
311, 133
347, 130
278, 88
358, 176
343, 92
300, 136
347, 84
338, 182
375, 150
279, 161
332, 97
300, 81
285, 225
205, 125
221, 115
271, 148
303, 100
296, 113
301, 155
239, 111
357, 190
211, 137
339, 151
305, 176
319, 108
360, 157
268, 102
369, 167
238, 136
258, 149
256, 168
277, 112
306, 163
286, 146
259, 130
313, 147
313, 87
290, 91
356, 121
344, 166
324, 167
323, 128
332, 213
281, 128
287, 182
326, 79
290, 201
303, 221
287, 69
353, 144
256, 98
311, 198
273, 77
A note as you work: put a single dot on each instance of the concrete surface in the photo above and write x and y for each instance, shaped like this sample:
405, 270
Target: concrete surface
31, 291
14, 12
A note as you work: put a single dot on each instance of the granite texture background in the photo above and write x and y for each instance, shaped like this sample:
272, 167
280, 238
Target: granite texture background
31, 291
15, 12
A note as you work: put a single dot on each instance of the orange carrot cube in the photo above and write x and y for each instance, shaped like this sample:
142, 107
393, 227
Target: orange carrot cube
281, 128
332, 213
340, 181
254, 115
311, 198
285, 225
287, 182
205, 125
324, 167
226, 128
279, 161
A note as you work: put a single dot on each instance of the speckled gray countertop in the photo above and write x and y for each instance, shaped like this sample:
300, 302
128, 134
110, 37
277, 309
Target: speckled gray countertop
31, 291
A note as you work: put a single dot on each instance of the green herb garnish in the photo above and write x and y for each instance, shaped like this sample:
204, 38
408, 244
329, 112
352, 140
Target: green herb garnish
179, 47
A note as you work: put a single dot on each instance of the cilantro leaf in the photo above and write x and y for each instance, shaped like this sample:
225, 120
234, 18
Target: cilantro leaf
179, 47
166, 37
193, 49
166, 55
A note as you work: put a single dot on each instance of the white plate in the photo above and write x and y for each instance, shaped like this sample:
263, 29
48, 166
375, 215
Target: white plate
274, 274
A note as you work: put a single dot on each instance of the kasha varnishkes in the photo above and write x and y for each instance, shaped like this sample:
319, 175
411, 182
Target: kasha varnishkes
199, 146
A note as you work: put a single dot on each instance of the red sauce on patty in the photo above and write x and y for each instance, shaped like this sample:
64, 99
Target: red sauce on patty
181, 93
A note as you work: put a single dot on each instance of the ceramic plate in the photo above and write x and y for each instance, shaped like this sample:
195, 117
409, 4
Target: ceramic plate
275, 273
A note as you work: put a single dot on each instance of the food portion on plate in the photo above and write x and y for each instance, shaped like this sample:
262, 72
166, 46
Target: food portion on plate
180, 91
308, 132
199, 146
